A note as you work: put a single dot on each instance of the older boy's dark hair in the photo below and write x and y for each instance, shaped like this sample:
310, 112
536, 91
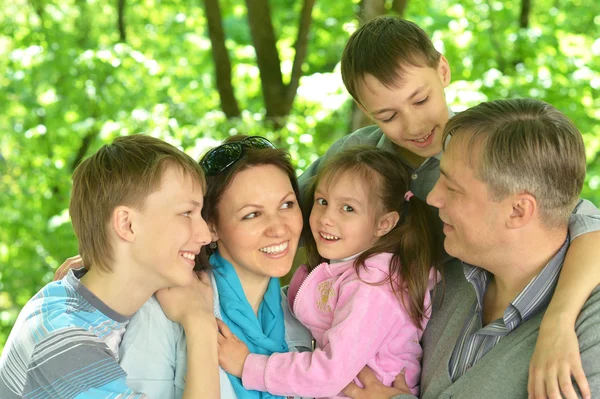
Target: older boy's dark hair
217, 185
414, 242
125, 172
383, 47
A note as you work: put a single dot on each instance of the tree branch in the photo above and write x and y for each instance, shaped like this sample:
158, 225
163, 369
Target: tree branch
87, 141
221, 59
525, 11
495, 44
267, 56
121, 21
300, 52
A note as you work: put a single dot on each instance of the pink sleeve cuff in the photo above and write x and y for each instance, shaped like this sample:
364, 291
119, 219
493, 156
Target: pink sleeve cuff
253, 374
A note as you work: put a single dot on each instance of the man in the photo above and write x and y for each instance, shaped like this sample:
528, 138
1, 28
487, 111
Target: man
135, 209
510, 176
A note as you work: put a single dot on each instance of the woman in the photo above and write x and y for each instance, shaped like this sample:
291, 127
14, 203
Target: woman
252, 210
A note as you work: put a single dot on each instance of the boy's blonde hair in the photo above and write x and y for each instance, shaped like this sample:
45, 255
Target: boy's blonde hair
125, 172
383, 47
524, 145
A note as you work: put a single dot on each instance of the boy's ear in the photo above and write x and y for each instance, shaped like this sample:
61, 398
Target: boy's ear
524, 208
122, 223
386, 223
444, 71
213, 231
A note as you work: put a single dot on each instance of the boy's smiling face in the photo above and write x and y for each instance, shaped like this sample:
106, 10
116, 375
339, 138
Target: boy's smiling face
414, 113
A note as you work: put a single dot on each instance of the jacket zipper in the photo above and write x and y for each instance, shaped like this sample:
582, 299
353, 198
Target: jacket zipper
302, 286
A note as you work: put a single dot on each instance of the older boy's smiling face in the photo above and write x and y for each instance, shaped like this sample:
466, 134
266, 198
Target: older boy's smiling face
414, 113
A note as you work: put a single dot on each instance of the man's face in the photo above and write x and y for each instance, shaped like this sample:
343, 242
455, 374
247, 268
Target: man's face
412, 115
473, 223
170, 230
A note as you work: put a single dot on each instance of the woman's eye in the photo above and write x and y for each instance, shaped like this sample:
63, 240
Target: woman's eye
187, 214
321, 201
288, 205
251, 215
348, 208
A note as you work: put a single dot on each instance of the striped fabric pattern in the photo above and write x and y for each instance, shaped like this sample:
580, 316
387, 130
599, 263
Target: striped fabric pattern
475, 340
64, 345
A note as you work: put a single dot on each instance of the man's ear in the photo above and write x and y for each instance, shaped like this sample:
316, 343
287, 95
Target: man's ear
122, 223
444, 72
524, 209
386, 223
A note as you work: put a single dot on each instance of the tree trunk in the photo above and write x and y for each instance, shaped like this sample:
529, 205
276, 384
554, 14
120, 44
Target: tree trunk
370, 9
121, 21
269, 64
221, 59
399, 6
300, 53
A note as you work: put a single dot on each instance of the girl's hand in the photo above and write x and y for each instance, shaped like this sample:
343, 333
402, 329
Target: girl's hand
232, 351
74, 262
188, 305
556, 358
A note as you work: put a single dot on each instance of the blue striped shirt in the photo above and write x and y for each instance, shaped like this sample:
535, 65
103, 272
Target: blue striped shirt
65, 345
475, 339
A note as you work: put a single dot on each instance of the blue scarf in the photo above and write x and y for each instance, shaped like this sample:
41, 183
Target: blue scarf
263, 335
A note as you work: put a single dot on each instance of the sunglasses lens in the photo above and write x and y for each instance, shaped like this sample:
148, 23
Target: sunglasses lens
218, 159
257, 142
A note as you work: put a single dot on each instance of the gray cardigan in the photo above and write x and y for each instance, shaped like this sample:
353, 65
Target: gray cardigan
503, 371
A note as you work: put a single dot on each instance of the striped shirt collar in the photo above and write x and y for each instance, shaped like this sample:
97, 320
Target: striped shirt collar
532, 299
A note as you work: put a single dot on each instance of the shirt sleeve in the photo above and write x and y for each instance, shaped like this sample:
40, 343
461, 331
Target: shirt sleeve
75, 363
584, 219
326, 371
153, 354
588, 334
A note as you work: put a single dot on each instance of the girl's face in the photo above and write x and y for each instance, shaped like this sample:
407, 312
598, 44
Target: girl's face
259, 223
344, 219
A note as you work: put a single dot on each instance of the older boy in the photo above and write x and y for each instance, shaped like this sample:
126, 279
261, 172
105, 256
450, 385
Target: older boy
397, 78
135, 209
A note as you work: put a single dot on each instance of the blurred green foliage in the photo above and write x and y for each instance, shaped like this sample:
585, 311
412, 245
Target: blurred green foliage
68, 85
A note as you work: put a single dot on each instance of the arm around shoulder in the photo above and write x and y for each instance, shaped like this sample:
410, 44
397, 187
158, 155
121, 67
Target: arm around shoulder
589, 340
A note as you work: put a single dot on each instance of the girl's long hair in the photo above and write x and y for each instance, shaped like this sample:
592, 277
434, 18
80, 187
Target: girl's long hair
414, 242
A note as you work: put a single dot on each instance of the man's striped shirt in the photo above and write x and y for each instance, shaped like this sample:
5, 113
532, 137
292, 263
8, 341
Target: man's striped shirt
475, 340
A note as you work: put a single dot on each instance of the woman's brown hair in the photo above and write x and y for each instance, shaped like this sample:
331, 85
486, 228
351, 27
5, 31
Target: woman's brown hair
216, 185
414, 242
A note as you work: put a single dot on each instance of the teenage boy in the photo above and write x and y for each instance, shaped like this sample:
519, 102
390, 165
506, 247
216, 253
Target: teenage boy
395, 75
135, 209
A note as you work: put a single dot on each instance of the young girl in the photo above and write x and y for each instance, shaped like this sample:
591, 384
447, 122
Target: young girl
365, 294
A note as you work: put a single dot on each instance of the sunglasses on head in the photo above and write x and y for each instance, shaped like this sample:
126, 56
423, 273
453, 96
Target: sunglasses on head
220, 158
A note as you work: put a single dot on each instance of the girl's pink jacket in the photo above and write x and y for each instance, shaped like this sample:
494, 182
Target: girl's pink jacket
355, 323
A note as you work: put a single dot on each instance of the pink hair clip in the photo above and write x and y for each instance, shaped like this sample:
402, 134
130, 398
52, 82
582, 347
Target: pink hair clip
408, 195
